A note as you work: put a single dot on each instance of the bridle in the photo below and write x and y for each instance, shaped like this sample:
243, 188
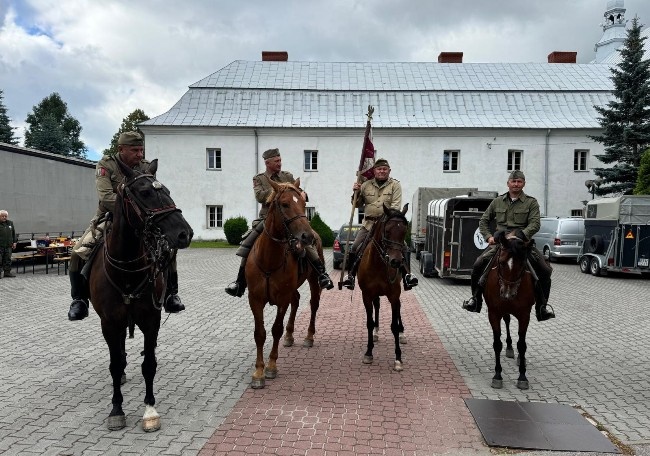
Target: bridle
505, 284
385, 244
288, 238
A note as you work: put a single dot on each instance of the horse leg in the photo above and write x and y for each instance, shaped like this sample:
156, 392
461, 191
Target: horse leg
522, 381
260, 337
288, 334
510, 353
314, 304
375, 330
395, 326
369, 304
151, 418
124, 363
400, 326
116, 419
495, 322
271, 370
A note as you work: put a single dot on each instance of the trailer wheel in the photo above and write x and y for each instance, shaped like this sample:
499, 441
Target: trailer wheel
585, 264
426, 264
596, 244
594, 268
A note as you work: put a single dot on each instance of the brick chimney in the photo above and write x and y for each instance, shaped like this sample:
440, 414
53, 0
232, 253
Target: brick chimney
450, 57
562, 57
275, 56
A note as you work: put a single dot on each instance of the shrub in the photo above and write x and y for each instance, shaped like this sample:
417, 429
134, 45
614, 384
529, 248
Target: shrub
233, 228
324, 231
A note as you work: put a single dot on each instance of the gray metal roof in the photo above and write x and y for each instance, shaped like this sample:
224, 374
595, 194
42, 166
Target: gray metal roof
405, 95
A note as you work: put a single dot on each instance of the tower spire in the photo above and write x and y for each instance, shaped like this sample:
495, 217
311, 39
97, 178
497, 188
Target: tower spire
613, 30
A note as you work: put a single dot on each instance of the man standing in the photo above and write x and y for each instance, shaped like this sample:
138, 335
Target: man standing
514, 209
373, 194
262, 189
130, 146
7, 242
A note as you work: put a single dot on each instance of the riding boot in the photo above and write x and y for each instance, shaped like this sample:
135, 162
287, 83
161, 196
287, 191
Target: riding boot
349, 280
78, 291
542, 292
173, 302
409, 280
238, 287
475, 303
8, 273
324, 280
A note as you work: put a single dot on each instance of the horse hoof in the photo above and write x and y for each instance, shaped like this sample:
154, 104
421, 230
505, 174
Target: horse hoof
123, 379
257, 383
288, 342
375, 335
398, 366
308, 343
116, 422
402, 339
522, 384
510, 353
270, 373
367, 359
150, 420
497, 384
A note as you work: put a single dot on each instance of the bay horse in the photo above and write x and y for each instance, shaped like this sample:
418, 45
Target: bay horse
379, 275
128, 278
272, 271
510, 290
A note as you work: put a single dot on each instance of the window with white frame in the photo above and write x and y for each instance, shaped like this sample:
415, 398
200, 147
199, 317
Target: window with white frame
311, 160
514, 159
577, 213
213, 158
580, 159
310, 212
451, 160
215, 216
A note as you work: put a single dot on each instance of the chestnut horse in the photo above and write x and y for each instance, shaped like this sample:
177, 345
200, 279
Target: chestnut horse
509, 290
272, 272
127, 279
379, 275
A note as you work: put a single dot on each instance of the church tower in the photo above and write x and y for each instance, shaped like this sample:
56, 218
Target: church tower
614, 32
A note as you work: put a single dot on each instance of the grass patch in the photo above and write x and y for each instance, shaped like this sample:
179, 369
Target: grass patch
218, 244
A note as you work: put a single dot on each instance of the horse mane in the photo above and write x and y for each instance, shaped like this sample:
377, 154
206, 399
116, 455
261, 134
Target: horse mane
283, 186
515, 242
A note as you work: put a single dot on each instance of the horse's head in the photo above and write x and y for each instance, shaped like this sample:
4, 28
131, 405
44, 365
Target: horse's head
287, 215
151, 211
393, 233
512, 260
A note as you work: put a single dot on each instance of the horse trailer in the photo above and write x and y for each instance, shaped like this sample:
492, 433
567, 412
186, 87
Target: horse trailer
617, 236
453, 241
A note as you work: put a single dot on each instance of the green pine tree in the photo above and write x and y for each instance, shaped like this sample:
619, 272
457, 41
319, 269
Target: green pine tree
6, 130
129, 123
626, 119
643, 181
53, 129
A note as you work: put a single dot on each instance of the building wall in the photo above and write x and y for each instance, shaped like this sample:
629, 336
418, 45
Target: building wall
415, 157
43, 195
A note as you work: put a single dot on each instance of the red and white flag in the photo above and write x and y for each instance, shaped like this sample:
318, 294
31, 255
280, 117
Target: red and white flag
367, 154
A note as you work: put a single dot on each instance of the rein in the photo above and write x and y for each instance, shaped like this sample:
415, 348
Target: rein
386, 245
504, 283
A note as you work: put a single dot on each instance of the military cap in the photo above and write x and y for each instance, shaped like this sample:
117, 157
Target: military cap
381, 162
271, 153
517, 174
130, 138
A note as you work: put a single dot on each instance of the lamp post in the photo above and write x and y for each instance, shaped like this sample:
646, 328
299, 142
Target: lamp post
592, 185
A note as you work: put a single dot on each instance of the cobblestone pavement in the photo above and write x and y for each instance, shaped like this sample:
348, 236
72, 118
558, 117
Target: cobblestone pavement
55, 387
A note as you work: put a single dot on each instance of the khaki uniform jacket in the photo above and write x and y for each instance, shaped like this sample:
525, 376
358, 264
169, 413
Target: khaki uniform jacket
107, 177
7, 234
263, 189
522, 213
372, 198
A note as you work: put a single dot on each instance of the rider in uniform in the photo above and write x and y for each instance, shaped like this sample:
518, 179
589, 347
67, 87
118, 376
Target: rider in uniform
107, 177
373, 194
262, 189
514, 209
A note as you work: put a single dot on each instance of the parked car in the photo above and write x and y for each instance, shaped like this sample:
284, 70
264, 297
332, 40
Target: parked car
341, 243
560, 237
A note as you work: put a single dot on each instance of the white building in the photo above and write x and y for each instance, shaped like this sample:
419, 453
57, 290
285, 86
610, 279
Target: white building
445, 124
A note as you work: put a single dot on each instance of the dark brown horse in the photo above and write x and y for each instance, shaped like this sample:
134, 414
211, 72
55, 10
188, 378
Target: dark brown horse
272, 270
127, 279
379, 275
509, 290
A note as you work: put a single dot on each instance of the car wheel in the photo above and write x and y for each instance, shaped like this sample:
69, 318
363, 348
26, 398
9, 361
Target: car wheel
547, 253
585, 264
594, 268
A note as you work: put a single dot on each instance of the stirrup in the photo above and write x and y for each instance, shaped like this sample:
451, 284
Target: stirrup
78, 310
235, 289
543, 313
410, 281
325, 282
173, 304
348, 282
472, 305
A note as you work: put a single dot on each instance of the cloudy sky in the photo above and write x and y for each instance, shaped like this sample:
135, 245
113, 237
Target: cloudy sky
106, 58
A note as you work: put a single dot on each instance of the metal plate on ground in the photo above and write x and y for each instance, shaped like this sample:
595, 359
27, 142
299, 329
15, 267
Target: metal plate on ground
535, 425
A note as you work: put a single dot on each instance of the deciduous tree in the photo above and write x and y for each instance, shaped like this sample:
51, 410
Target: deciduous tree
6, 130
129, 123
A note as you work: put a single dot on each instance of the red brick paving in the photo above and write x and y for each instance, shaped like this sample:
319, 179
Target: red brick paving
325, 401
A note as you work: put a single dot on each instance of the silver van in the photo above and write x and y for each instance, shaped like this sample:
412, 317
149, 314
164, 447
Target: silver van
560, 237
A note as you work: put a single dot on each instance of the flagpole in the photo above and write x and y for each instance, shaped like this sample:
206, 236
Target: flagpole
355, 196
